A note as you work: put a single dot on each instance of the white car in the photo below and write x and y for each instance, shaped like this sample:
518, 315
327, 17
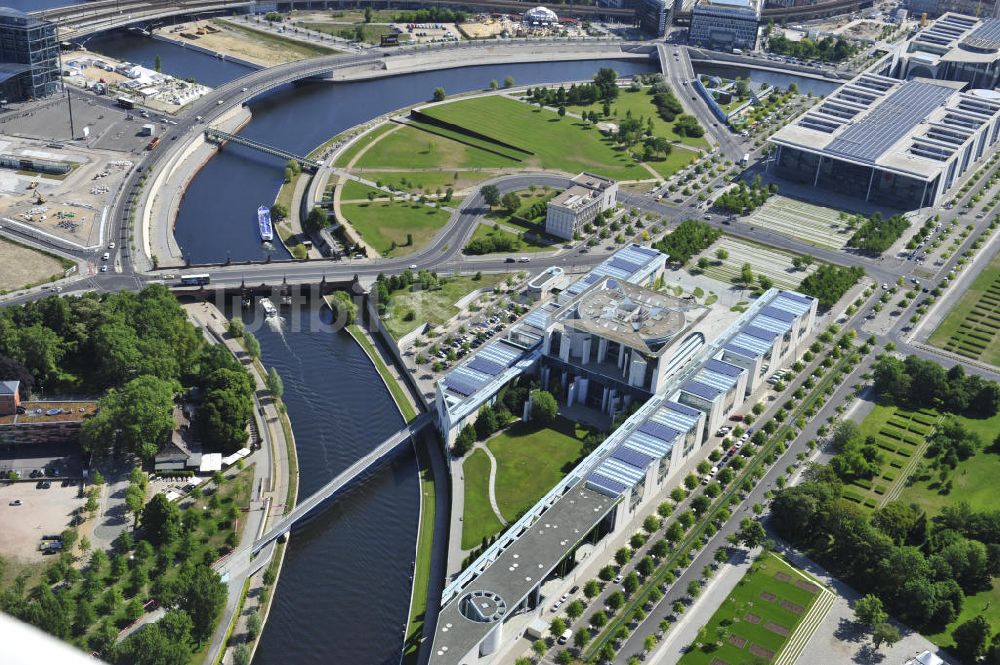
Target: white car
104, 268
111, 245
106, 256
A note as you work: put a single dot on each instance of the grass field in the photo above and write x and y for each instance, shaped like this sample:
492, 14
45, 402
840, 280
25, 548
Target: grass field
478, 519
370, 33
426, 182
434, 307
562, 144
345, 157
973, 480
755, 621
531, 459
291, 49
531, 243
972, 327
23, 267
767, 261
382, 223
810, 223
425, 542
413, 148
641, 106
901, 437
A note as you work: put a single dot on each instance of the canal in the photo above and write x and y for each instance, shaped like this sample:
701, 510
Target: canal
344, 591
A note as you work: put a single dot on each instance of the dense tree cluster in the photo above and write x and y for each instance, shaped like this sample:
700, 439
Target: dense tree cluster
508, 406
139, 349
827, 48
386, 285
742, 199
343, 307
918, 383
667, 104
689, 238
603, 89
430, 15
494, 242
830, 282
877, 233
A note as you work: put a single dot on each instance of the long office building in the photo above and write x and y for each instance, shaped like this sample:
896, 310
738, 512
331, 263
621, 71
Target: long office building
903, 143
955, 48
725, 24
29, 56
605, 320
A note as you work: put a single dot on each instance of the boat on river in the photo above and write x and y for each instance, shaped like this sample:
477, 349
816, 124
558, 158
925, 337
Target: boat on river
264, 224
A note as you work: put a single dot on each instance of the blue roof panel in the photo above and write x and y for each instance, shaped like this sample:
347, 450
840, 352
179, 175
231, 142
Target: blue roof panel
760, 333
683, 408
633, 457
775, 313
659, 430
741, 351
601, 482
486, 366
701, 390
723, 368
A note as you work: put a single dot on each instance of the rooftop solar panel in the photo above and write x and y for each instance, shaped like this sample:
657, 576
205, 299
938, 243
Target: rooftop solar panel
798, 297
461, 385
605, 485
646, 251
659, 430
622, 264
481, 364
759, 333
740, 351
632, 456
702, 390
776, 313
683, 408
892, 119
723, 368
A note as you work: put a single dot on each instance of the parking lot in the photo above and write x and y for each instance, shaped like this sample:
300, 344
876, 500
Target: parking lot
49, 460
43, 512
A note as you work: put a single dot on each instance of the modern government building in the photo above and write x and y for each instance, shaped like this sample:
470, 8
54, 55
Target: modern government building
725, 24
905, 132
613, 343
29, 56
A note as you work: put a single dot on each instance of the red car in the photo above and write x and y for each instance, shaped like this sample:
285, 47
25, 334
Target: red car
737, 417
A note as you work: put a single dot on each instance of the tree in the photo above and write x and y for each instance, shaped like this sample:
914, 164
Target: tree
581, 638
203, 598
884, 633
751, 534
135, 499
439, 94
491, 194
279, 211
274, 383
508, 82
543, 407
539, 647
869, 612
235, 327
972, 638
226, 408
252, 345
746, 274
139, 417
315, 221
165, 642
631, 583
591, 589
575, 609
368, 14
616, 601
599, 619
161, 521
157, 63
721, 254
557, 627
510, 202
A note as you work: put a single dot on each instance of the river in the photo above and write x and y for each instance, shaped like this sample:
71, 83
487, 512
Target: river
344, 591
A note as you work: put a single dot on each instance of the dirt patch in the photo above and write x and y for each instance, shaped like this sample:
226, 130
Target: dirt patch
718, 661
42, 512
752, 618
782, 577
737, 641
761, 652
768, 596
777, 629
21, 266
807, 586
792, 607
257, 46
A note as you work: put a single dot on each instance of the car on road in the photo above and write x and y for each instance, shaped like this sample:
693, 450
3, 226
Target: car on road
523, 259
107, 255
104, 268
564, 638
16, 502
618, 579
111, 245
509, 259
413, 266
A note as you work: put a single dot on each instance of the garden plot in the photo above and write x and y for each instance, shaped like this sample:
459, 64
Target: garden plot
767, 261
813, 224
972, 327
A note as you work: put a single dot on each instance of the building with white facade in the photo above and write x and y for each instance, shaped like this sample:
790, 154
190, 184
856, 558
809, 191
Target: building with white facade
725, 24
581, 203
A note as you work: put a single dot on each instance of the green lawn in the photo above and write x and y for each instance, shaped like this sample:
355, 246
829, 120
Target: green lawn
352, 190
425, 541
414, 148
748, 626
531, 243
382, 223
973, 480
972, 327
531, 459
641, 106
397, 391
427, 182
562, 144
478, 519
434, 307
345, 157
371, 32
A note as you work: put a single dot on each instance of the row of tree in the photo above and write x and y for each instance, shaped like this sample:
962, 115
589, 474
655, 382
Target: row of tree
827, 48
742, 199
508, 406
918, 383
877, 233
829, 283
689, 238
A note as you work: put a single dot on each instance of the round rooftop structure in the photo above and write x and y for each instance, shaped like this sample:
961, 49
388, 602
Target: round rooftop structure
482, 606
984, 93
540, 15
623, 310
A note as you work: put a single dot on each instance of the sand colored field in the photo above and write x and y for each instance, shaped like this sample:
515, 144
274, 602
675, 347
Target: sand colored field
21, 266
255, 46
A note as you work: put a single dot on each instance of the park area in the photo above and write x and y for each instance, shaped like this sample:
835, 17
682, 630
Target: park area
972, 327
393, 228
531, 459
901, 437
520, 231
772, 263
22, 267
757, 620
411, 308
816, 225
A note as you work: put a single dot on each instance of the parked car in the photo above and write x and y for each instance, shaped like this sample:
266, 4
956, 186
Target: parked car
16, 502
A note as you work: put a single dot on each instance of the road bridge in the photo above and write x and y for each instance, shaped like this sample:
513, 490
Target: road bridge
218, 136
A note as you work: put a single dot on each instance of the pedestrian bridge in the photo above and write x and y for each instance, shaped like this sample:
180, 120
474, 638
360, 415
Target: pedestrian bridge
218, 136
373, 460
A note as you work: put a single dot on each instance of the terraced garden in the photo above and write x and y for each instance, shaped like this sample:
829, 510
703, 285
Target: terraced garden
757, 620
813, 224
972, 327
902, 438
772, 263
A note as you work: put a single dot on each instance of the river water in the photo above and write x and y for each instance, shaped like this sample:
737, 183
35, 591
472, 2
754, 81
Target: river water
344, 591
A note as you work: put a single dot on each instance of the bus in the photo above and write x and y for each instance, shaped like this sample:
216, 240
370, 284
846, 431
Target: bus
126, 103
195, 280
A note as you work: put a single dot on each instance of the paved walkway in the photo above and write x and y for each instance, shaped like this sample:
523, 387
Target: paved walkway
493, 481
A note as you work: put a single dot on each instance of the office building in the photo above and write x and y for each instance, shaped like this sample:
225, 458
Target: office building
955, 48
906, 144
725, 24
980, 8
29, 56
654, 16
581, 203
